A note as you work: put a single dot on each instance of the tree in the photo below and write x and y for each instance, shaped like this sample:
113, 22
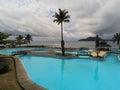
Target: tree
3, 36
28, 39
116, 38
60, 17
97, 44
19, 40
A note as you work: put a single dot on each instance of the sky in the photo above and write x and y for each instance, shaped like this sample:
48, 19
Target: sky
88, 18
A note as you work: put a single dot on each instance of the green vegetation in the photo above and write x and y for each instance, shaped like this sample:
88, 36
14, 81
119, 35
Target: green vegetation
61, 17
4, 67
9, 42
116, 38
28, 39
3, 37
20, 39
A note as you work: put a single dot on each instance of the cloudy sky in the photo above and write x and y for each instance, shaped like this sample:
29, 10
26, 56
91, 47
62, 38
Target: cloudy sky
88, 18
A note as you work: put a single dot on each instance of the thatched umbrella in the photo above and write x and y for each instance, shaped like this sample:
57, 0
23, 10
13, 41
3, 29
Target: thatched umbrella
103, 45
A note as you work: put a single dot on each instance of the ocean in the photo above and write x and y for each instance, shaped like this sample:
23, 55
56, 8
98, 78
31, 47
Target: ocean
72, 44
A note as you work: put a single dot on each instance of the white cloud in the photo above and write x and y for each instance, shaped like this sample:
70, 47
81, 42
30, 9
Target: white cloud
88, 17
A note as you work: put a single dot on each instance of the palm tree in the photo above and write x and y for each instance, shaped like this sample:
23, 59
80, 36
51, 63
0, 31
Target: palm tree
3, 36
96, 76
97, 44
28, 39
19, 40
116, 38
61, 17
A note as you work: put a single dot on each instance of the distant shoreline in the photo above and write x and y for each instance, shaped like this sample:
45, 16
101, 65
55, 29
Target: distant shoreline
93, 39
68, 44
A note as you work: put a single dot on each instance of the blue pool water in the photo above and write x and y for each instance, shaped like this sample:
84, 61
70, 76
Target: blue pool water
10, 51
74, 74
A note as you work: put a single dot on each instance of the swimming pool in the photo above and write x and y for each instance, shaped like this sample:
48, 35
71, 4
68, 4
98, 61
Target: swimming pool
73, 74
10, 51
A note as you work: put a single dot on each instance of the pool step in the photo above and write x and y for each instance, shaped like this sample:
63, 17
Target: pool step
119, 57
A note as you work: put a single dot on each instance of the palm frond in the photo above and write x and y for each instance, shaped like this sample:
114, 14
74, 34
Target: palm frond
67, 17
116, 38
66, 20
61, 16
56, 15
65, 13
55, 20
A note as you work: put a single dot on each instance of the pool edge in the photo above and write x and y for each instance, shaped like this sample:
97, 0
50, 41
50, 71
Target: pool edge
22, 77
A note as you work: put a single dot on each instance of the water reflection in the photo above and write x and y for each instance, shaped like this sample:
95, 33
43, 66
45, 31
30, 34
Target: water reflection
62, 73
96, 76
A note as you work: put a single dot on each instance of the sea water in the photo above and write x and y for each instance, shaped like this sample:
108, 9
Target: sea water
74, 44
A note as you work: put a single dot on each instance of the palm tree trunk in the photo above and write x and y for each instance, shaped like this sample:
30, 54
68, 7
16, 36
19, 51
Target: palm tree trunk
62, 41
97, 44
29, 43
119, 45
97, 52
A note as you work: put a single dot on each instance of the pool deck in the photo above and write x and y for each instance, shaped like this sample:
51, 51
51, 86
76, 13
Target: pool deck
22, 77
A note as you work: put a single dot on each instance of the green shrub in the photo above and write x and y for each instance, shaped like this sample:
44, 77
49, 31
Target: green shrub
4, 67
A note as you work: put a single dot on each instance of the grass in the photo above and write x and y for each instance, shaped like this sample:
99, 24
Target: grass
8, 80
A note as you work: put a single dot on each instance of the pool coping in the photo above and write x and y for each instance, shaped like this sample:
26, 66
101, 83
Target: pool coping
22, 77
51, 53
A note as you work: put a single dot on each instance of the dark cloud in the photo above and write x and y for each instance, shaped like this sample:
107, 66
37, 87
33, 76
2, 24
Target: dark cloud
110, 22
88, 17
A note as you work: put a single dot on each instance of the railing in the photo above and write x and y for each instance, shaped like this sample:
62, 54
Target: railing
19, 53
115, 51
83, 53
